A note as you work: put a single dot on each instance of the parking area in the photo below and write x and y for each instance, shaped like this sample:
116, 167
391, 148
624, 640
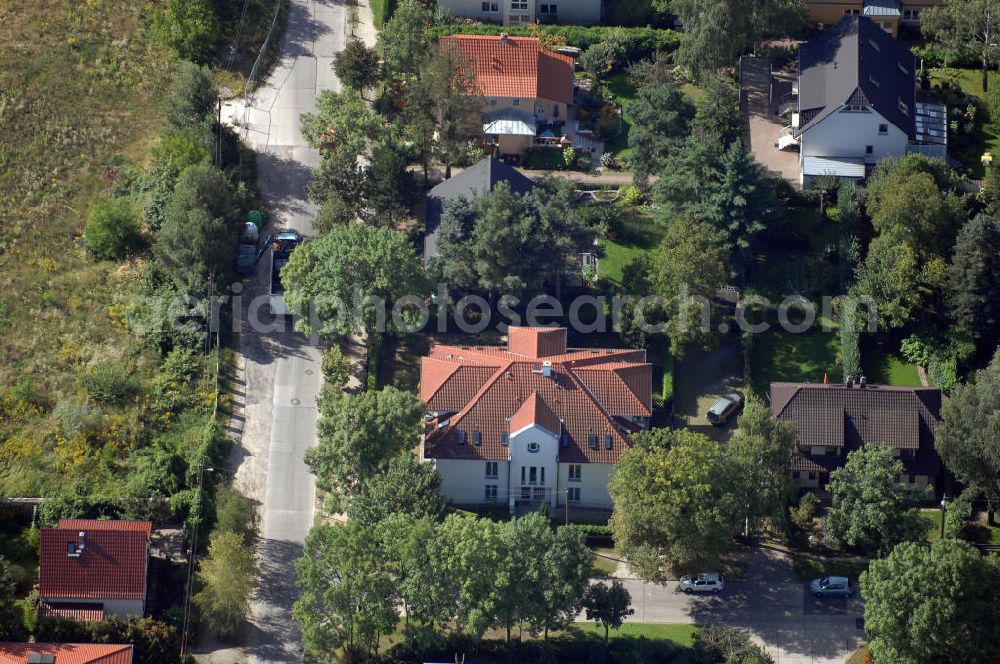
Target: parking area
700, 378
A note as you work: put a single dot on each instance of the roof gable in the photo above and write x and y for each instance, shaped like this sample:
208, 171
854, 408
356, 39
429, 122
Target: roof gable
855, 61
534, 411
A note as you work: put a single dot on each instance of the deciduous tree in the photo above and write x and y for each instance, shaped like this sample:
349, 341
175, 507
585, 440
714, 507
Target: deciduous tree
351, 279
406, 485
358, 436
403, 40
348, 594
227, 576
357, 66
674, 505
608, 606
871, 509
112, 231
968, 437
929, 604
966, 28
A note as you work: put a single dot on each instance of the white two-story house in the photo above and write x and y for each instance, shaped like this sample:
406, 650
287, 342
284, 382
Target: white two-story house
533, 422
857, 102
523, 12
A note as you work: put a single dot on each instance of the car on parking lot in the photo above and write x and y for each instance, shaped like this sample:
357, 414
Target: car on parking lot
831, 586
706, 582
727, 406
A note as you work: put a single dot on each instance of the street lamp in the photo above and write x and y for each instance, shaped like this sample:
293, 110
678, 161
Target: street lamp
944, 503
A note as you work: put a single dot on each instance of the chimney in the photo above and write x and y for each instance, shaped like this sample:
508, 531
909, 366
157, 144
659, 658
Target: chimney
850, 380
863, 382
547, 369
504, 38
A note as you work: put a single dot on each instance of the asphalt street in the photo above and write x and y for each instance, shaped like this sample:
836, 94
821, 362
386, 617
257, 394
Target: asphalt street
280, 369
771, 603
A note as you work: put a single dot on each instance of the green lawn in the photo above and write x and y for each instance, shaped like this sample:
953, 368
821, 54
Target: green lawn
622, 91
979, 532
971, 81
605, 561
679, 634
809, 566
932, 518
639, 234
888, 369
778, 355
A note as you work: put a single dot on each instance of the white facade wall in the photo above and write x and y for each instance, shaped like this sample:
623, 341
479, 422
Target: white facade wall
522, 12
463, 481
847, 133
593, 484
533, 471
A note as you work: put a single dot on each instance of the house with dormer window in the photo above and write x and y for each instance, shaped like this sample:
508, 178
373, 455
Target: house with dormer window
533, 422
856, 103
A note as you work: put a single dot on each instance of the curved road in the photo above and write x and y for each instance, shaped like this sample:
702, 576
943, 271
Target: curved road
279, 370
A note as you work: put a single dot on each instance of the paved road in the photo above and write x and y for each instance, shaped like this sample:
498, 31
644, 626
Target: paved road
792, 625
279, 369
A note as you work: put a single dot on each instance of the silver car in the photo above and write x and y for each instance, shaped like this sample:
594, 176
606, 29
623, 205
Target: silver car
831, 586
706, 582
727, 406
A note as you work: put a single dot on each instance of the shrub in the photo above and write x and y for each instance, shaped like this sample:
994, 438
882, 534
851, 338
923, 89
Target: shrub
804, 513
569, 157
639, 43
112, 230
629, 194
192, 98
608, 160
189, 27
77, 419
172, 390
337, 369
235, 513
604, 57
110, 381
957, 514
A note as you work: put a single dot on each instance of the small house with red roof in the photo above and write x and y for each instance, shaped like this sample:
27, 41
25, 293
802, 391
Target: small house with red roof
65, 653
526, 90
534, 421
91, 569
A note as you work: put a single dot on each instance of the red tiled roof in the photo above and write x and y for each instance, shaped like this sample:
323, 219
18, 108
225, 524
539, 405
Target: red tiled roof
587, 389
536, 341
516, 67
76, 610
534, 410
112, 564
67, 653
107, 524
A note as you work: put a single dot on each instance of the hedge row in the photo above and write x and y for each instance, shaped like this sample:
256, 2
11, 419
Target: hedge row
641, 43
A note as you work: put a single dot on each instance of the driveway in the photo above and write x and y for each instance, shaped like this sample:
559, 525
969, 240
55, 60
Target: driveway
278, 369
792, 625
700, 378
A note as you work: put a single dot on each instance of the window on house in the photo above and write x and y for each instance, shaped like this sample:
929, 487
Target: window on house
491, 469
491, 6
883, 129
904, 108
519, 4
490, 493
538, 494
607, 441
503, 438
592, 441
573, 494
869, 149
493, 101
533, 475
541, 475
574, 472
911, 14
564, 439
812, 476
515, 102
461, 438
534, 447
522, 475
831, 450
548, 9
477, 437
525, 493
852, 12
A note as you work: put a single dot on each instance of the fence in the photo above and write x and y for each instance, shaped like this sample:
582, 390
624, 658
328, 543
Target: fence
254, 78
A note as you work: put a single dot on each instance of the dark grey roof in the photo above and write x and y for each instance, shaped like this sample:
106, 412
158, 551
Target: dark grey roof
856, 60
881, 8
847, 418
471, 183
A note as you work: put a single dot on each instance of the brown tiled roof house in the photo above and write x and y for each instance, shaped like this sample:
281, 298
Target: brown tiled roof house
90, 569
65, 653
833, 420
534, 421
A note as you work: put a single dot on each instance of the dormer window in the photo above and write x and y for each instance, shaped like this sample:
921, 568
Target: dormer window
477, 437
564, 439
874, 45
592, 441
461, 438
904, 108
607, 441
902, 69
872, 80
503, 438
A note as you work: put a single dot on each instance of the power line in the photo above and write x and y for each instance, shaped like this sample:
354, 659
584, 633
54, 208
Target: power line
239, 33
